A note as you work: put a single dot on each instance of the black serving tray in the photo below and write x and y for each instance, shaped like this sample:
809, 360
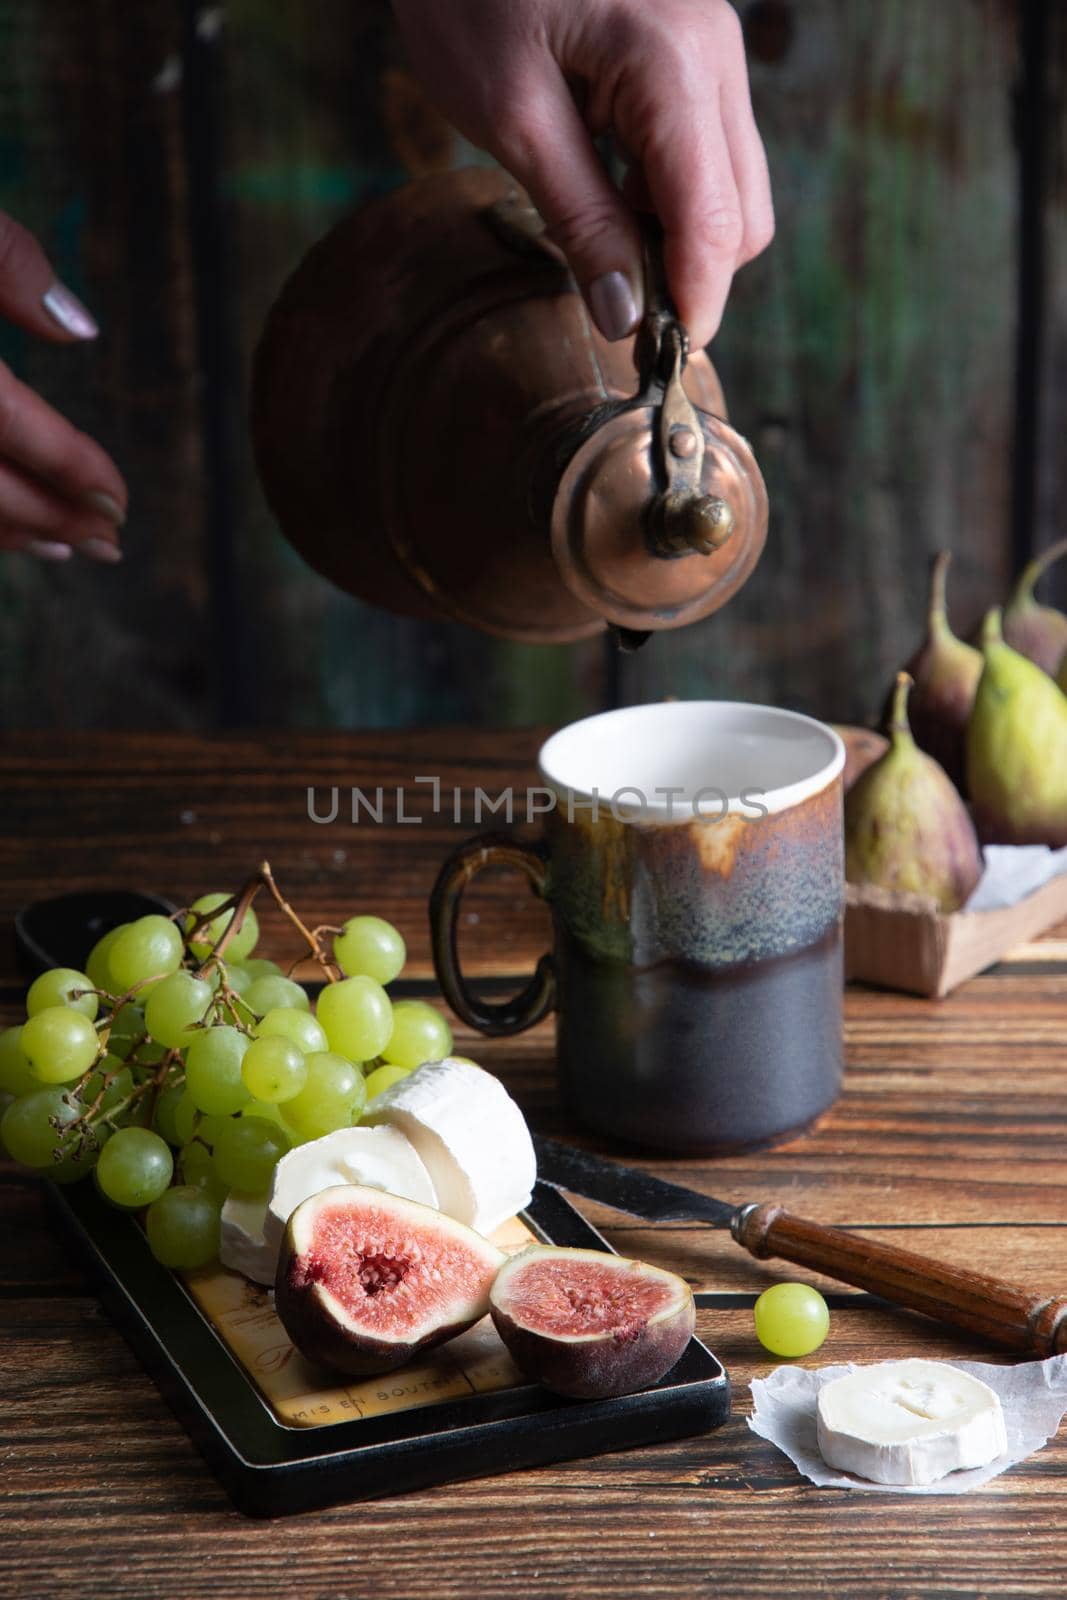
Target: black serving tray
272, 1469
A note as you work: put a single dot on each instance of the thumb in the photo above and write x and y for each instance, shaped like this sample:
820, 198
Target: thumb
30, 292
547, 147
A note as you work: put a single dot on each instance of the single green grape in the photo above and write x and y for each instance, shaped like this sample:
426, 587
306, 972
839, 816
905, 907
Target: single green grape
183, 1227
333, 1097
59, 1043
357, 1015
174, 1006
369, 947
246, 1153
260, 967
15, 1074
164, 1115
207, 937
134, 1168
98, 967
792, 1319
383, 1078
238, 977
299, 1027
274, 1069
185, 1114
271, 1113
197, 1167
209, 1126
151, 947
125, 1029
27, 1130
419, 1034
55, 988
213, 1069
269, 992
190, 1122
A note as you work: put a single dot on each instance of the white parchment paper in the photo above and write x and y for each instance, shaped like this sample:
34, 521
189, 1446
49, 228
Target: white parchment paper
1033, 1396
1012, 871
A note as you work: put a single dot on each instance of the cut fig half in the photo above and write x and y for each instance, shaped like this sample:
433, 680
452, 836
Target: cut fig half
366, 1279
590, 1325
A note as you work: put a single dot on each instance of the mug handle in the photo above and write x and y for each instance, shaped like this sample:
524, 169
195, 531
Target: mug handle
537, 999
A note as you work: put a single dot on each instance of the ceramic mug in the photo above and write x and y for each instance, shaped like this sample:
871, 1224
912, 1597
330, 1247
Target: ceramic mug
692, 858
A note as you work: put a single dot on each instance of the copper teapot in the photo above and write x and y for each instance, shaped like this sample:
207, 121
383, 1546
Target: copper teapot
441, 430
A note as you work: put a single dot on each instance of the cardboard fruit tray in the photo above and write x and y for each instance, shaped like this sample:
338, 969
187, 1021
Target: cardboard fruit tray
904, 942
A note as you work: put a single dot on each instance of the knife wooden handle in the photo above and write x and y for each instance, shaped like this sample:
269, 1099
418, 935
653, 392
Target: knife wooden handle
998, 1311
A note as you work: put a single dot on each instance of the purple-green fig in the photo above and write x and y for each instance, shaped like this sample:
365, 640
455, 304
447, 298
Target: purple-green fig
366, 1279
1036, 631
1017, 748
945, 672
589, 1325
906, 828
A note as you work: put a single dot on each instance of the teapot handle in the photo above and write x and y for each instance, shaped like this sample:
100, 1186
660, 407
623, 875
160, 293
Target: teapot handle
682, 518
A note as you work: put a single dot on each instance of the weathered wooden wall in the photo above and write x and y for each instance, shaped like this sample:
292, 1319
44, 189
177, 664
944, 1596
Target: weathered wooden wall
869, 354
177, 159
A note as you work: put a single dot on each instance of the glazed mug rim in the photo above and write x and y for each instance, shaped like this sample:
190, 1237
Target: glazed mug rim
742, 793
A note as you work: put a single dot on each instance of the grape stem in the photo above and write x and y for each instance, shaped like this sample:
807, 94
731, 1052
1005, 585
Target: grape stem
239, 903
84, 1126
331, 972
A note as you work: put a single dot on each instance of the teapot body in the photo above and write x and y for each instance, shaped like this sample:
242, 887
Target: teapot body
424, 383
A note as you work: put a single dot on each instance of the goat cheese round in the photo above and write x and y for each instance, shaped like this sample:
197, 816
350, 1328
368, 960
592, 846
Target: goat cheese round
909, 1422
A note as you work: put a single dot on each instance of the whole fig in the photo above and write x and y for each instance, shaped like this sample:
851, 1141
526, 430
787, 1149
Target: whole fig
945, 673
906, 827
1036, 631
1017, 748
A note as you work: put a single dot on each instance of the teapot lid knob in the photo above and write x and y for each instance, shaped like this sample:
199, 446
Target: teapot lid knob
652, 482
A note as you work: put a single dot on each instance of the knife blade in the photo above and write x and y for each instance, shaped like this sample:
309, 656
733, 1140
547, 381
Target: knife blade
1003, 1312
625, 1188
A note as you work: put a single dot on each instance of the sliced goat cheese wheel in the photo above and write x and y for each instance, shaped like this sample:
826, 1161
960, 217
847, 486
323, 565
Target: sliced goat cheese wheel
242, 1244
909, 1422
471, 1136
377, 1158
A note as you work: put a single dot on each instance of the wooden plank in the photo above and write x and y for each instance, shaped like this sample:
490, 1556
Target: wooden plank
91, 161
725, 1514
201, 813
868, 354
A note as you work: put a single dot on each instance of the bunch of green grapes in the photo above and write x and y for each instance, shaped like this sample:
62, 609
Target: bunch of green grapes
178, 1066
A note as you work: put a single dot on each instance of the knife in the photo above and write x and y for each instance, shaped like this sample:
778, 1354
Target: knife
999, 1311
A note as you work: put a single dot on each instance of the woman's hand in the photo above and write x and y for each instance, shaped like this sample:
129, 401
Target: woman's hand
534, 81
59, 492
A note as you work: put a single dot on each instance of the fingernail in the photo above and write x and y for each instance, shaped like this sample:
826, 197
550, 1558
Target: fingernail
611, 300
66, 309
101, 550
107, 506
48, 550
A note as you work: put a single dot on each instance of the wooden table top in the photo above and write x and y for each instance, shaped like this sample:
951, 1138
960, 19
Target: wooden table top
950, 1136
